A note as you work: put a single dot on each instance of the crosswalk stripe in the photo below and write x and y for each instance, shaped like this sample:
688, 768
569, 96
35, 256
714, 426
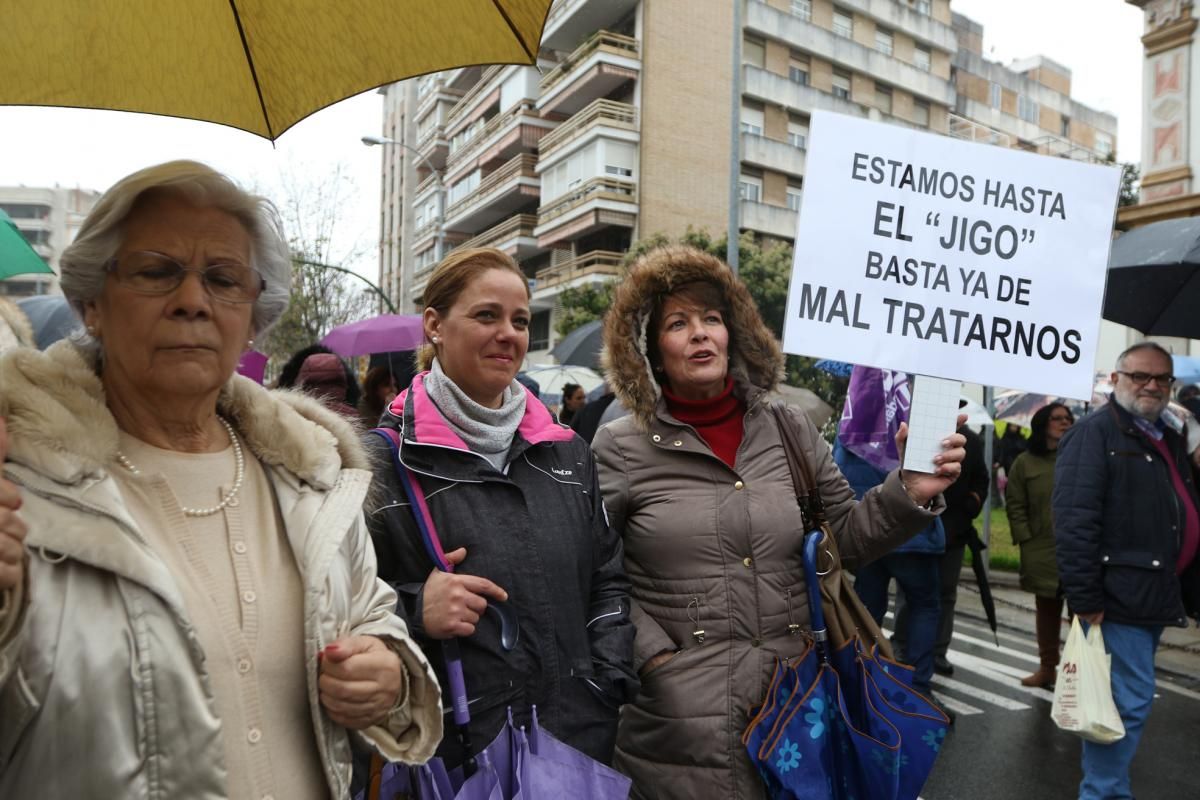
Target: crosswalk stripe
976, 693
958, 706
1002, 673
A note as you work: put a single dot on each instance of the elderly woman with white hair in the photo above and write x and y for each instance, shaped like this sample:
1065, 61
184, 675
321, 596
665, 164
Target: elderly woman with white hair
189, 604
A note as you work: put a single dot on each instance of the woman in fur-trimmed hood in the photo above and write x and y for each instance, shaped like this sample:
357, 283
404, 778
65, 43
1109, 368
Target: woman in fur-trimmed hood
697, 482
188, 598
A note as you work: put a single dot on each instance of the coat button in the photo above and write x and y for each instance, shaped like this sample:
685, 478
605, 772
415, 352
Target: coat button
656, 438
1155, 563
748, 561
739, 485
1104, 559
755, 642
254, 736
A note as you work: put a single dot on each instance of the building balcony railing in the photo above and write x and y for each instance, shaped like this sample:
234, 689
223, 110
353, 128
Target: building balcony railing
770, 22
899, 17
517, 116
771, 154
777, 221
518, 226
523, 165
481, 87
763, 85
570, 20
601, 41
607, 113
972, 131
424, 187
595, 189
598, 263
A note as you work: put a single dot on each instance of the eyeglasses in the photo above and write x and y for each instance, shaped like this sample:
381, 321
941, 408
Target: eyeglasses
1142, 378
150, 273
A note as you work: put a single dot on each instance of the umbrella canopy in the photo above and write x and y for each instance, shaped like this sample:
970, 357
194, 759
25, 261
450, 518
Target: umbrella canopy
1017, 408
977, 415
382, 334
1154, 279
807, 401
1187, 369
16, 256
551, 380
257, 65
50, 316
581, 346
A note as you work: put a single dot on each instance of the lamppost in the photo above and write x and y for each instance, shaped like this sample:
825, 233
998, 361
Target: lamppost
371, 141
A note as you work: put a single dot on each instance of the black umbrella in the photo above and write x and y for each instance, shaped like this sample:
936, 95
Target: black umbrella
979, 567
581, 346
1154, 279
50, 316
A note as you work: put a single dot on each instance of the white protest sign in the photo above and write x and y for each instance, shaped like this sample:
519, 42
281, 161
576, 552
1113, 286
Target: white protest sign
936, 256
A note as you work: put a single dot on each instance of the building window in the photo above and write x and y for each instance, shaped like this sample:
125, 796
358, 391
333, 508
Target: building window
797, 134
1027, 109
539, 330
884, 41
750, 188
921, 113
798, 70
36, 237
25, 210
1064, 127
996, 93
752, 120
1104, 144
802, 9
923, 7
841, 84
843, 23
754, 52
922, 58
883, 98
793, 198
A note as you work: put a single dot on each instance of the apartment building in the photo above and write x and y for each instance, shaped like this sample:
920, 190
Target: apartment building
48, 218
623, 129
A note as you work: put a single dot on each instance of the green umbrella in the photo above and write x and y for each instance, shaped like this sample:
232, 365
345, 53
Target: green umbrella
16, 256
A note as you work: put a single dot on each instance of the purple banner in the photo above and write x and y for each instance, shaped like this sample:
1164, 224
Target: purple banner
877, 401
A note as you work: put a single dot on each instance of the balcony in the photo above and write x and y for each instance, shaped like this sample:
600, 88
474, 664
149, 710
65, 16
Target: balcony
518, 129
498, 195
434, 146
768, 86
898, 17
972, 131
477, 99
586, 268
569, 21
596, 204
776, 221
619, 120
514, 236
594, 70
770, 154
825, 44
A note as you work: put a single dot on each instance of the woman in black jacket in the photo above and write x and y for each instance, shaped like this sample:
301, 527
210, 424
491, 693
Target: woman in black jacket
515, 500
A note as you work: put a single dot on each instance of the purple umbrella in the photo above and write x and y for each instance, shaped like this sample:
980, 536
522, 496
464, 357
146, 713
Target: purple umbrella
383, 334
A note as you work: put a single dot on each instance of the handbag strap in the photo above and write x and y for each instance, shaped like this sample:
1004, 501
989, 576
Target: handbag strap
808, 496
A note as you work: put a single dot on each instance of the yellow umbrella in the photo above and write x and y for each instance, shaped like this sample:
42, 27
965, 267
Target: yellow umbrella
258, 65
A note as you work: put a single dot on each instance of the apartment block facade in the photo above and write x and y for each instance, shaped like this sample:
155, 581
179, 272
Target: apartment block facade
48, 218
624, 129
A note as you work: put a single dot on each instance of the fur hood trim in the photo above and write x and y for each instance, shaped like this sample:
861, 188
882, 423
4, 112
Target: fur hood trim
754, 355
12, 315
59, 424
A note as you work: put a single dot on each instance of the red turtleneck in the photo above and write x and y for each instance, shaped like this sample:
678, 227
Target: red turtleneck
718, 420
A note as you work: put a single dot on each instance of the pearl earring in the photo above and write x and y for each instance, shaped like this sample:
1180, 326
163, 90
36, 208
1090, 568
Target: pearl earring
435, 339
249, 344
91, 330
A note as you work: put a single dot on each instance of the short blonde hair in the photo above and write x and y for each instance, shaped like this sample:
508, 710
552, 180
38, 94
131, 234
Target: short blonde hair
453, 275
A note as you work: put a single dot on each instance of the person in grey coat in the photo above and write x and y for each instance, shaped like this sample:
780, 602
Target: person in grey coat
696, 480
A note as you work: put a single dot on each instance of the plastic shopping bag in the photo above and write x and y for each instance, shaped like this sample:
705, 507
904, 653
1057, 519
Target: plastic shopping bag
1083, 702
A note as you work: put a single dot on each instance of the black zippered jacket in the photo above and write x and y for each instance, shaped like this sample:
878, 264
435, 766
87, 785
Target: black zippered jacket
1118, 522
538, 531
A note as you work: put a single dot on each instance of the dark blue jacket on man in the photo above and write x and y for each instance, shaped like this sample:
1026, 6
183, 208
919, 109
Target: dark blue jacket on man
1118, 522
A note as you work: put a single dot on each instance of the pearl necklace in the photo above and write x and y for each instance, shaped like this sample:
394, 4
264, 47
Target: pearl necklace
238, 477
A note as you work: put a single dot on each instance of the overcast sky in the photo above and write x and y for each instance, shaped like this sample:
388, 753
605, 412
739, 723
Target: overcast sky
1097, 39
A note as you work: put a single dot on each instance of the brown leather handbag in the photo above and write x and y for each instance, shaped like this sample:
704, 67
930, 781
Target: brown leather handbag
845, 615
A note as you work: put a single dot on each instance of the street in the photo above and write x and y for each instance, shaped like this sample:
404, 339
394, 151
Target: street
1004, 744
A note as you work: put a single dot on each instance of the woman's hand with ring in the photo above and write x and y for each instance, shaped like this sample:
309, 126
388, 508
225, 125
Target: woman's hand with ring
360, 681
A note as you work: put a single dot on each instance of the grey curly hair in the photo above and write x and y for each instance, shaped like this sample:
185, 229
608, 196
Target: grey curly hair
85, 262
